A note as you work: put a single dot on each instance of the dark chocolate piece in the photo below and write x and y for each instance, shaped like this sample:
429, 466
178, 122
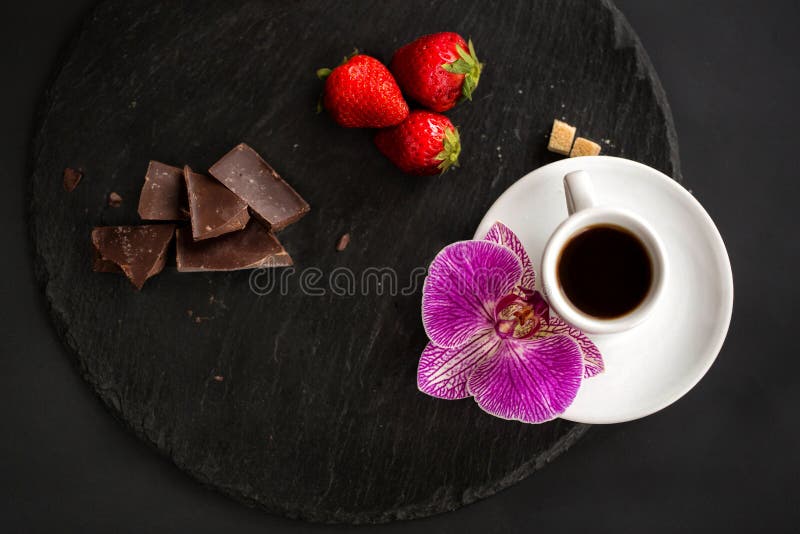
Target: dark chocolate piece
72, 178
213, 208
163, 196
139, 251
343, 242
272, 200
251, 248
114, 199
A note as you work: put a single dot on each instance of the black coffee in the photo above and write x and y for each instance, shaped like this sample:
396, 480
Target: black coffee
605, 271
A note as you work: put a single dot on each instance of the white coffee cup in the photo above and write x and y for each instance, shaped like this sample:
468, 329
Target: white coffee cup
584, 212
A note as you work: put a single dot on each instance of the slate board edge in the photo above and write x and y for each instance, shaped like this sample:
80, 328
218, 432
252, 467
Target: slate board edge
625, 38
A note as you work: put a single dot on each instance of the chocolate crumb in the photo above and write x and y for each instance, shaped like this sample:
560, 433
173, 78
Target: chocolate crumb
343, 242
114, 200
219, 378
72, 178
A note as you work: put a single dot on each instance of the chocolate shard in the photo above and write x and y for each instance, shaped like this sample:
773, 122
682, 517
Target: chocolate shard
72, 177
251, 248
139, 251
163, 196
270, 198
214, 210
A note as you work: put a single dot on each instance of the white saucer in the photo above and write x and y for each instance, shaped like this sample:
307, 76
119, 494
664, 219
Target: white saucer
656, 363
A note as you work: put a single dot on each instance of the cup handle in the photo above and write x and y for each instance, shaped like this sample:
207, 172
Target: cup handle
579, 191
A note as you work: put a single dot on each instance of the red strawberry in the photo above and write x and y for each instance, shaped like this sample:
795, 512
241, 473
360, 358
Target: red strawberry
437, 70
425, 143
362, 93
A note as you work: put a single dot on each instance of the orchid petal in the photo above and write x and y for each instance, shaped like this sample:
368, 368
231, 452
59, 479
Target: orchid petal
592, 359
443, 373
501, 234
532, 381
464, 283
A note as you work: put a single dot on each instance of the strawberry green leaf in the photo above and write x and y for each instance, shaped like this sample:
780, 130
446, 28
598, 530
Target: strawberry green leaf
452, 148
323, 73
468, 65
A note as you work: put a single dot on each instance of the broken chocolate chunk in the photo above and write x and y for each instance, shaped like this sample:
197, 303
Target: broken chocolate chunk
251, 248
214, 210
72, 178
114, 199
139, 251
163, 196
252, 179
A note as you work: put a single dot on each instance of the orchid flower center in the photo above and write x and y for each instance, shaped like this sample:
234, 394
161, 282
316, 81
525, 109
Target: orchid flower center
520, 317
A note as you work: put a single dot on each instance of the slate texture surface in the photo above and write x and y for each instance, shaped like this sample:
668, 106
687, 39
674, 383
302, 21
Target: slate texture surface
317, 416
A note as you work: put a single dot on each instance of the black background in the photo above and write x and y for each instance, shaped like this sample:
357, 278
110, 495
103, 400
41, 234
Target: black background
726, 456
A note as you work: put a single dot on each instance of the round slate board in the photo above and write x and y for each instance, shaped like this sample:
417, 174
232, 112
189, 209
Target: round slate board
318, 415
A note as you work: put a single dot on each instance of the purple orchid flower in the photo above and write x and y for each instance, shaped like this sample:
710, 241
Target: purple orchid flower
492, 336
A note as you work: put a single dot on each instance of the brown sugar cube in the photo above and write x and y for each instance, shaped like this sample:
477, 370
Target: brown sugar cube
561, 137
584, 147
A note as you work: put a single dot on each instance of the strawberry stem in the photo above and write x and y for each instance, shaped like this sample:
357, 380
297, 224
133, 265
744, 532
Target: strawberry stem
323, 73
350, 56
